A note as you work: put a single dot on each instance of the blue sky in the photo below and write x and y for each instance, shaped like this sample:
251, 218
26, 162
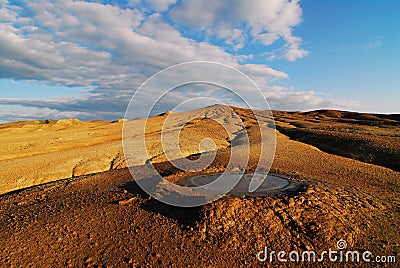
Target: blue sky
81, 59
354, 52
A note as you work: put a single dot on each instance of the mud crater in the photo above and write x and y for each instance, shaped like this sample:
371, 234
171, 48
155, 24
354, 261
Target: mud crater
274, 184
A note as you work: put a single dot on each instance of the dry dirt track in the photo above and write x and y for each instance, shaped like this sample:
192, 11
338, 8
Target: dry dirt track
105, 220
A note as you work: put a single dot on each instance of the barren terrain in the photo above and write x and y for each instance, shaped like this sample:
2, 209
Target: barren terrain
350, 184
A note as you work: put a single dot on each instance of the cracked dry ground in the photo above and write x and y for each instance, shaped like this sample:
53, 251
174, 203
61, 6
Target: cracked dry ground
105, 220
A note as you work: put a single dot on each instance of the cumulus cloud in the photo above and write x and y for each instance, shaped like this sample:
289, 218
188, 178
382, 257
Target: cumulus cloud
264, 21
111, 49
290, 99
160, 5
11, 113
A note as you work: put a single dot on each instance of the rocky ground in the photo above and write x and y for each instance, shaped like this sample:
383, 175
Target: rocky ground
106, 220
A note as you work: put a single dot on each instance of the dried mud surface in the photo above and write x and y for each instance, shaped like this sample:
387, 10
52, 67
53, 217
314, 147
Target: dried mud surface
370, 138
106, 220
48, 150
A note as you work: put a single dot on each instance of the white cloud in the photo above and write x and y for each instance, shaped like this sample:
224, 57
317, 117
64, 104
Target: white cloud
293, 51
7, 14
12, 113
161, 5
233, 37
262, 75
198, 14
102, 39
85, 44
112, 50
372, 45
133, 3
264, 21
290, 99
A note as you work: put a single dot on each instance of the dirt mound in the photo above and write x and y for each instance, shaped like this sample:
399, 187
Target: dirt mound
165, 113
67, 121
301, 222
69, 148
365, 137
329, 113
121, 120
106, 220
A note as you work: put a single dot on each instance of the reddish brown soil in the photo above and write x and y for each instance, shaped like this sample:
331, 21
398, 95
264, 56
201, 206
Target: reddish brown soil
105, 220
370, 138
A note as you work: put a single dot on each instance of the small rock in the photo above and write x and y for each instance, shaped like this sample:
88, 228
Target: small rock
130, 200
291, 202
301, 200
310, 191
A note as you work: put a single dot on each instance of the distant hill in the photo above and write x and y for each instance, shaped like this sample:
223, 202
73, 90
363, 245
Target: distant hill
371, 138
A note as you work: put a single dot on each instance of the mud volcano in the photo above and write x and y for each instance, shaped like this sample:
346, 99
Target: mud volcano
272, 185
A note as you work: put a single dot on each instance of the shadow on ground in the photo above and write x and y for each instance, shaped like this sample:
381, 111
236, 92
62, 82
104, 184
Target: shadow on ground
187, 217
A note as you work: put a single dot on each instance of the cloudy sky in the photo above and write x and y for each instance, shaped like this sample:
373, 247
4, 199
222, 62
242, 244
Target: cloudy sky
85, 59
